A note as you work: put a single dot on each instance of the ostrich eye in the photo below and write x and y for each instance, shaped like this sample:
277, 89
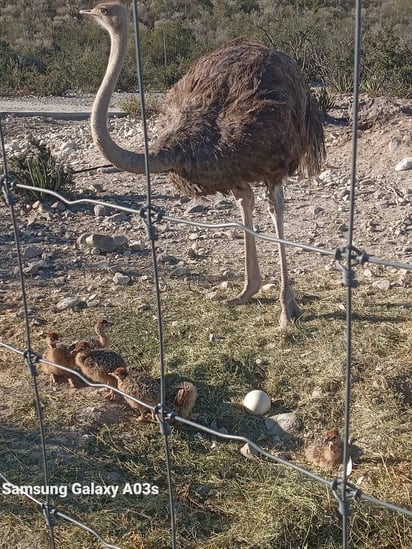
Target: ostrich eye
103, 11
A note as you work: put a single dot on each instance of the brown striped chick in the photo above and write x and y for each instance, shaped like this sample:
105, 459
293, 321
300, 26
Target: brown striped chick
180, 397
59, 354
327, 451
139, 386
102, 340
98, 364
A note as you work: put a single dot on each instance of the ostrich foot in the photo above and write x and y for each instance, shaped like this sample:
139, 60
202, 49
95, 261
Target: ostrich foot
109, 394
290, 312
244, 295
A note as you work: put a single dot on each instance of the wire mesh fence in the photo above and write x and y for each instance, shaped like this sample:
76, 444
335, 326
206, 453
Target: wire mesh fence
347, 257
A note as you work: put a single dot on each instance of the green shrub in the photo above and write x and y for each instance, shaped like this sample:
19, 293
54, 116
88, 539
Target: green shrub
131, 105
324, 99
387, 64
37, 167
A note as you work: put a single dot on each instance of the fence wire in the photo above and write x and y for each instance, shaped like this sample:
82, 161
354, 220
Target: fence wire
347, 257
342, 490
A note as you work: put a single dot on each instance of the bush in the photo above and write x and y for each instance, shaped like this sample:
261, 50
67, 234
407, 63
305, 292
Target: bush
37, 167
131, 105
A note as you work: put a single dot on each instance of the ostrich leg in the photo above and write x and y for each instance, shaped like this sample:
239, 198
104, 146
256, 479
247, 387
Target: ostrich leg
288, 303
246, 201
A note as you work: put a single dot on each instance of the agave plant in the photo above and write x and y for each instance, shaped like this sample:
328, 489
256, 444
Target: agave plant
37, 167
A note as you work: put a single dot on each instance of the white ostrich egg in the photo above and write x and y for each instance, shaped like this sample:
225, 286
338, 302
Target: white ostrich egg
257, 402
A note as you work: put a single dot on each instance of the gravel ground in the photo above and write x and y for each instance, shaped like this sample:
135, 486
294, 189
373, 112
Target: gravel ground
316, 210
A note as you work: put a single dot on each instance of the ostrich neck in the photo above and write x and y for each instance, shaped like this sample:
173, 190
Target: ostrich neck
121, 158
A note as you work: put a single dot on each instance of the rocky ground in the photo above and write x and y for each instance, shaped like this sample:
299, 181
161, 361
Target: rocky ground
61, 243
83, 256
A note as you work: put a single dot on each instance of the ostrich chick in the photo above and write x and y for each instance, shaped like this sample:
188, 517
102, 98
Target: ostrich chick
328, 451
98, 364
59, 354
102, 340
181, 397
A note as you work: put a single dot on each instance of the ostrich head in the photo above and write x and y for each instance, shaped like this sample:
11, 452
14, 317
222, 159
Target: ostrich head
82, 348
119, 373
112, 16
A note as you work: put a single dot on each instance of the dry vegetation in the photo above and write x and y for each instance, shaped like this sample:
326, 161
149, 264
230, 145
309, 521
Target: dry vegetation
222, 499
47, 48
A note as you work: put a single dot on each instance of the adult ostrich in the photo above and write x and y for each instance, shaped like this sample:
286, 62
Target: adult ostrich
241, 115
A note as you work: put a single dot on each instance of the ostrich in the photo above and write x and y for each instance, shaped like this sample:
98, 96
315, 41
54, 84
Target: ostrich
241, 115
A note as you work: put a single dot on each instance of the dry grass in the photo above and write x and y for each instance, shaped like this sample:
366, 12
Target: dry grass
222, 499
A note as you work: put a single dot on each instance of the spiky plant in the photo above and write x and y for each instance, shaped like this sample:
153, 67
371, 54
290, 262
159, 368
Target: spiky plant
37, 167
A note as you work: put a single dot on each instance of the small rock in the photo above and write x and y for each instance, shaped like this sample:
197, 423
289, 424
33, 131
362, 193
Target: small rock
267, 287
31, 270
120, 240
59, 206
180, 270
394, 144
81, 241
167, 259
67, 303
105, 243
32, 251
248, 451
195, 208
404, 164
100, 210
137, 245
120, 217
367, 272
96, 187
383, 284
282, 424
121, 279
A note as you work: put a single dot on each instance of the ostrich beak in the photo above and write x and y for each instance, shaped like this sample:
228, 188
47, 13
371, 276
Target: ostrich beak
85, 12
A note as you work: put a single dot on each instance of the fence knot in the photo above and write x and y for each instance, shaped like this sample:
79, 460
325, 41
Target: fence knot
353, 256
150, 216
343, 492
30, 359
164, 415
49, 513
8, 185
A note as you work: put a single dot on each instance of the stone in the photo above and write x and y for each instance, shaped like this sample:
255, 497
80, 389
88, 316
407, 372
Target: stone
248, 451
100, 210
404, 164
121, 279
32, 251
105, 243
137, 245
383, 284
267, 287
120, 240
282, 424
31, 270
81, 240
67, 303
195, 208
120, 217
